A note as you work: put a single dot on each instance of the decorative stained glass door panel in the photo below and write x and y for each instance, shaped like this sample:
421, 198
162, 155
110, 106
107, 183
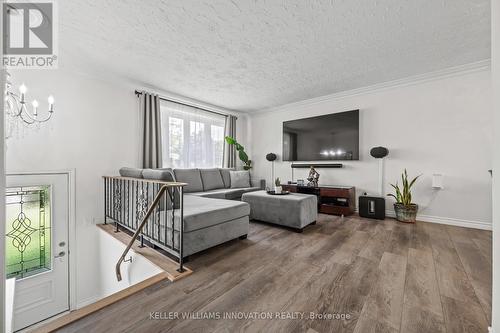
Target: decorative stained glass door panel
37, 211
28, 231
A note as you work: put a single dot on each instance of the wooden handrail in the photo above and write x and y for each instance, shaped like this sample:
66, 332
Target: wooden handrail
144, 180
150, 211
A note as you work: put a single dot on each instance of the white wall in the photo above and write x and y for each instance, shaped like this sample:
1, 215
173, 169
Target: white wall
95, 130
435, 126
110, 250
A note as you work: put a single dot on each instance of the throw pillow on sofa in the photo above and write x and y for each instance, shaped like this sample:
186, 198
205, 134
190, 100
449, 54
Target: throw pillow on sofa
165, 174
212, 179
226, 176
131, 172
240, 179
190, 176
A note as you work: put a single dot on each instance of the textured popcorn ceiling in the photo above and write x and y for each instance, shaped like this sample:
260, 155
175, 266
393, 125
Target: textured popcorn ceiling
253, 54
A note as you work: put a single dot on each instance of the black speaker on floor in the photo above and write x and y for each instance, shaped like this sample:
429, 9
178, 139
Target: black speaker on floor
372, 207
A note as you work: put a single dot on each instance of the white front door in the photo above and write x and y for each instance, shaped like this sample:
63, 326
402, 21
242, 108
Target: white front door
37, 220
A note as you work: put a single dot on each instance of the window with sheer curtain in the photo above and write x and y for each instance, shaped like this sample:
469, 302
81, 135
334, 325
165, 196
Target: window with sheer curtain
191, 137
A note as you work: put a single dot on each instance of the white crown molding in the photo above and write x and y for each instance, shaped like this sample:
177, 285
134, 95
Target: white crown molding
473, 67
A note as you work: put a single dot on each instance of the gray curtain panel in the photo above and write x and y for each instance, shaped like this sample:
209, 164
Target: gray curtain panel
151, 130
229, 150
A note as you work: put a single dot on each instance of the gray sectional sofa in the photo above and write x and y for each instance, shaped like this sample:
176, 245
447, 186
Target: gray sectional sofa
213, 213
213, 183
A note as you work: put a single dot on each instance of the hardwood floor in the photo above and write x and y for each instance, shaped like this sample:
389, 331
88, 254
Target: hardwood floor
385, 275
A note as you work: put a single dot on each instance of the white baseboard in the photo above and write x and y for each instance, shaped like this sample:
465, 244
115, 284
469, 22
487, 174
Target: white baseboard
87, 301
448, 221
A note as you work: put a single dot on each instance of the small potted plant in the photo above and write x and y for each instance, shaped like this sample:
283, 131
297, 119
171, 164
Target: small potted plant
277, 186
406, 211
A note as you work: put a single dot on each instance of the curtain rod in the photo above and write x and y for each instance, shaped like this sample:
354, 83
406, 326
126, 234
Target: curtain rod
138, 93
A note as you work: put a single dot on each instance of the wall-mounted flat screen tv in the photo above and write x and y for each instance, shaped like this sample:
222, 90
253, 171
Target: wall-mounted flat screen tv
324, 138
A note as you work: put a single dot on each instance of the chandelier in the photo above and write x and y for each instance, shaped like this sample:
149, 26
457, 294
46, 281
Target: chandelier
17, 109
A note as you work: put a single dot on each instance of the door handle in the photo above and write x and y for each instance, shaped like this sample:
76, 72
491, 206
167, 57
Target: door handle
60, 255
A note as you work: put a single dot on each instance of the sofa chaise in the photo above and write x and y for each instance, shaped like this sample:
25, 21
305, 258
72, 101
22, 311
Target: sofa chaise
213, 213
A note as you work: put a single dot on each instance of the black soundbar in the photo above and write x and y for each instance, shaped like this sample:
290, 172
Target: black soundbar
318, 166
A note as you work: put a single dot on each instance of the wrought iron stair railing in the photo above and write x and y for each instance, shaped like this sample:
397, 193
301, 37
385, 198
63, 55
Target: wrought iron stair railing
152, 210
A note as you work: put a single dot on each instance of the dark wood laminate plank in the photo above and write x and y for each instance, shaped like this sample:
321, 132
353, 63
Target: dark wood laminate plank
368, 325
352, 287
420, 239
359, 276
421, 289
313, 290
478, 270
207, 285
385, 301
330, 224
485, 235
459, 233
400, 239
280, 289
323, 294
417, 320
263, 232
335, 241
349, 249
281, 270
452, 279
453, 283
485, 247
388, 223
377, 244
461, 316
435, 231
368, 225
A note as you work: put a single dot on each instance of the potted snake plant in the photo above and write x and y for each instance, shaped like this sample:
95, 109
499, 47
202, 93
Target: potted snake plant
406, 211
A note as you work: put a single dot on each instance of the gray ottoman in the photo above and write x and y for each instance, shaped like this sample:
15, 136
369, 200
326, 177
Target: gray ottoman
294, 210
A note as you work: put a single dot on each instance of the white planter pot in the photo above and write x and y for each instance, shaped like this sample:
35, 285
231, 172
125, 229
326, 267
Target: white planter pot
278, 189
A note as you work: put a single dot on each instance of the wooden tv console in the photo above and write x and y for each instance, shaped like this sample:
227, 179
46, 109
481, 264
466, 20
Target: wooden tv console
337, 200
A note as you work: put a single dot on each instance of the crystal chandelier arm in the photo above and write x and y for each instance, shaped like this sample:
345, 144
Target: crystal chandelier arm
29, 117
15, 101
47, 118
25, 116
15, 105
